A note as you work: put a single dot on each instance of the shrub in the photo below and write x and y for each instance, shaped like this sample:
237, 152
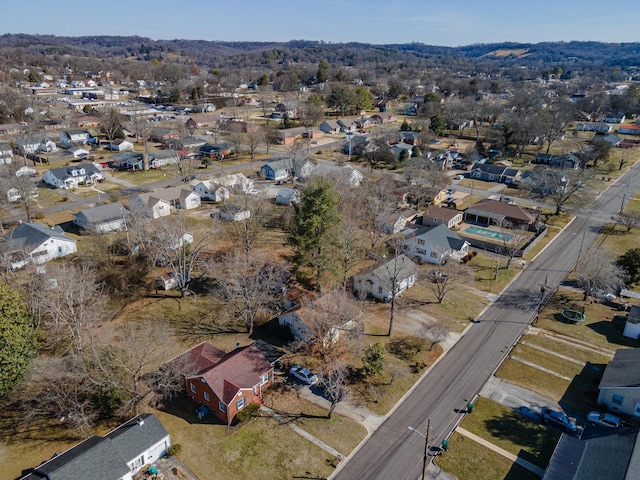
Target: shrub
246, 413
174, 450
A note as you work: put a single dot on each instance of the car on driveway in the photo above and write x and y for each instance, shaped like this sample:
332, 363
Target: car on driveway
558, 419
603, 419
303, 374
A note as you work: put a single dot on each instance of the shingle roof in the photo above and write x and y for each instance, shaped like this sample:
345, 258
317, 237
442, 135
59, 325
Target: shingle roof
400, 267
63, 173
623, 370
103, 213
442, 236
103, 458
446, 214
33, 234
501, 209
609, 456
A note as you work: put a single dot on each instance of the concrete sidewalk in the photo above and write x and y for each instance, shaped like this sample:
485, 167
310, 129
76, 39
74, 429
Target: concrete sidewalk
523, 463
303, 433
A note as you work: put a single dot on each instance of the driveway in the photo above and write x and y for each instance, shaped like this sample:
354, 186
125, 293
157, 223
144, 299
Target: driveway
171, 469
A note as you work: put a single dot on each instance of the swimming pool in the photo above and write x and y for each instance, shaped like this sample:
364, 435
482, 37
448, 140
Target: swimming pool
492, 234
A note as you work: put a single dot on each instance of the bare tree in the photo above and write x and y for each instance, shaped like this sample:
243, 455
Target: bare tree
326, 318
334, 374
448, 278
426, 180
247, 234
625, 155
141, 128
253, 139
236, 137
111, 123
629, 220
167, 241
72, 304
269, 136
21, 189
434, 332
597, 270
250, 285
559, 187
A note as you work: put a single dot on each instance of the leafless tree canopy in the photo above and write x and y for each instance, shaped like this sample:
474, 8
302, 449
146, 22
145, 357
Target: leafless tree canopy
597, 270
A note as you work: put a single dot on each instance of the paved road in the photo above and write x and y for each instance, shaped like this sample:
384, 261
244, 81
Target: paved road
393, 451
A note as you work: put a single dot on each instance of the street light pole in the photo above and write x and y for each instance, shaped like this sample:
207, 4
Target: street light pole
425, 459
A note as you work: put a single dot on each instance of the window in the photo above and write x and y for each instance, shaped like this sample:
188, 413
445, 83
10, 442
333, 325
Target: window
379, 289
264, 379
222, 407
421, 251
617, 399
421, 241
206, 396
240, 403
193, 388
433, 255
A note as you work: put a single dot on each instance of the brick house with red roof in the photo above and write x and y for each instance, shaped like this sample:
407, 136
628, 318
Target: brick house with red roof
224, 382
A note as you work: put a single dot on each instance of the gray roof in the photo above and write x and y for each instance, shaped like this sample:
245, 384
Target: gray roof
611, 456
31, 235
623, 370
63, 173
400, 267
441, 235
276, 165
103, 213
286, 192
104, 458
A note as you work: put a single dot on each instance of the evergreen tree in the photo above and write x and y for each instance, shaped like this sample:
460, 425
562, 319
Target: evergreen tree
18, 343
315, 221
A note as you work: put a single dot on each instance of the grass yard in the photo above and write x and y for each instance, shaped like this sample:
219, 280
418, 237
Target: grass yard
263, 448
596, 330
566, 349
141, 177
546, 360
484, 266
528, 377
468, 460
512, 431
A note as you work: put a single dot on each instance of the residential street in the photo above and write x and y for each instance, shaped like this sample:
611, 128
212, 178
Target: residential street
394, 451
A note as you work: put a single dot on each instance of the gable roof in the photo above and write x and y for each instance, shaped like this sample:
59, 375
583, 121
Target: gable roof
623, 370
400, 267
225, 373
583, 459
31, 235
445, 214
276, 165
62, 173
103, 213
500, 210
103, 458
440, 235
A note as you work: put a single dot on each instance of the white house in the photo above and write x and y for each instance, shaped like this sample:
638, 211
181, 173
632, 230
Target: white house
102, 219
78, 152
35, 243
179, 197
303, 321
620, 384
234, 213
162, 158
632, 324
119, 145
118, 455
435, 215
396, 221
209, 190
150, 205
69, 138
13, 193
379, 281
435, 245
34, 145
235, 182
345, 174
72, 176
276, 170
287, 196
26, 172
6, 153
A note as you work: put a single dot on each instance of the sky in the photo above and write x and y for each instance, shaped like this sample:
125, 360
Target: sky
441, 22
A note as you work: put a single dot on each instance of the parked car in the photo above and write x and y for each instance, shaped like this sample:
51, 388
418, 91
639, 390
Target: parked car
436, 275
603, 419
601, 294
558, 419
303, 374
459, 177
451, 191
